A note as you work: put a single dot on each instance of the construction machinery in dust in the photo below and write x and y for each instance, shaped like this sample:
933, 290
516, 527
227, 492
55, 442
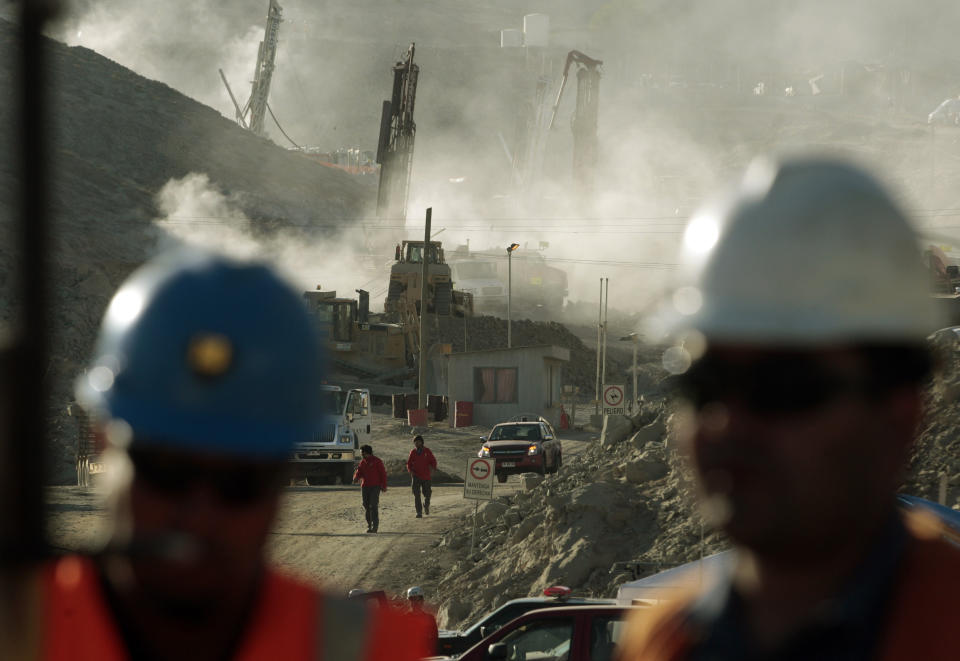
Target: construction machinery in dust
403, 294
584, 123
535, 288
360, 350
256, 106
395, 146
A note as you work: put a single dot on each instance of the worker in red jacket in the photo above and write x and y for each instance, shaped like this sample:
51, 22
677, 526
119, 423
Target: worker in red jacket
200, 403
420, 464
372, 476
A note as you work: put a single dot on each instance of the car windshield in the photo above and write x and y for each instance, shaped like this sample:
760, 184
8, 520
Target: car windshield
526, 432
331, 401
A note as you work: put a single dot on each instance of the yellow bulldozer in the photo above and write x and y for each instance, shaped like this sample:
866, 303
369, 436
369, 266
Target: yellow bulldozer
403, 294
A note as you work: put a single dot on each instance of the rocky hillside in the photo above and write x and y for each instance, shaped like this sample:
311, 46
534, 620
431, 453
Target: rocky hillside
117, 140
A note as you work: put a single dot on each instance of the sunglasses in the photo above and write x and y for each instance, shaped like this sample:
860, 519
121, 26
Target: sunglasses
236, 486
788, 384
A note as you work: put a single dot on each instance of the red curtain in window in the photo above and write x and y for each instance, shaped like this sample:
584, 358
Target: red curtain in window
506, 386
487, 376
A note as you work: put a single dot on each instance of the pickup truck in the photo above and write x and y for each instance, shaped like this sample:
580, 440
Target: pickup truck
571, 633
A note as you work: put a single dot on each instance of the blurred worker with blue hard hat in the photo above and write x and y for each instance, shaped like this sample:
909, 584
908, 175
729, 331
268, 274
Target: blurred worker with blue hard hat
801, 319
206, 372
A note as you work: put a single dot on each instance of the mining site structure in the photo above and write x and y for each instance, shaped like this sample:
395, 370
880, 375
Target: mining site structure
584, 122
395, 146
256, 105
403, 293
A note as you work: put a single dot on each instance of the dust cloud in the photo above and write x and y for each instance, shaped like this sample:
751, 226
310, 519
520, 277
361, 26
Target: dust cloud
690, 92
197, 215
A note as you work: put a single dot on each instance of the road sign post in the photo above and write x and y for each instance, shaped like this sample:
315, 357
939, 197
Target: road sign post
478, 485
612, 397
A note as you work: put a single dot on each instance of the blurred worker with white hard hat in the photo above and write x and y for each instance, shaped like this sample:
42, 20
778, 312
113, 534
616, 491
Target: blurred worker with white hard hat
801, 320
206, 373
415, 598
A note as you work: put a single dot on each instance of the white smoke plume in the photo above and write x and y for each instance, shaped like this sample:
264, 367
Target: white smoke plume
196, 214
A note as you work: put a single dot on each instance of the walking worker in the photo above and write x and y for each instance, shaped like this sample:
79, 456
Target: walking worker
207, 371
372, 475
420, 464
804, 313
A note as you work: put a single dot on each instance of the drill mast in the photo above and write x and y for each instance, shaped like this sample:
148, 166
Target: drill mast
584, 118
266, 59
395, 147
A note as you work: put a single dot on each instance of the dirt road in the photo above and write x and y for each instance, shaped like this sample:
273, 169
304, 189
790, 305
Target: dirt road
320, 534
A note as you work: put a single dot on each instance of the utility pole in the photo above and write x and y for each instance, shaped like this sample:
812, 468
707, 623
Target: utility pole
422, 378
606, 319
596, 399
510, 249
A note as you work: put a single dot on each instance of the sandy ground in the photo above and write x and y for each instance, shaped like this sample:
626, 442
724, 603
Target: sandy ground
320, 534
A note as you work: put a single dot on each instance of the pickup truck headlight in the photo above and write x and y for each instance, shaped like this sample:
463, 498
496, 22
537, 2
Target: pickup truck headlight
533, 449
484, 452
346, 438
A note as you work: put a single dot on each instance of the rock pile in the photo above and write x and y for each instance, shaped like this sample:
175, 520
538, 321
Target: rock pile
620, 500
397, 475
937, 454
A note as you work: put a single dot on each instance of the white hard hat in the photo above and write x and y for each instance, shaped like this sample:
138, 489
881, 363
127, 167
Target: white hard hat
416, 592
806, 252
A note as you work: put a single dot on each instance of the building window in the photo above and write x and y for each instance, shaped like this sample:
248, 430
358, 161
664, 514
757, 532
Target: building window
495, 385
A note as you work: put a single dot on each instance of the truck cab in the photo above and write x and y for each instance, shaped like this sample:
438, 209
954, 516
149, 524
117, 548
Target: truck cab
335, 447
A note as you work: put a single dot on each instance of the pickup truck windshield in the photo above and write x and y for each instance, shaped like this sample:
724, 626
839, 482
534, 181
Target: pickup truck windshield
331, 402
516, 433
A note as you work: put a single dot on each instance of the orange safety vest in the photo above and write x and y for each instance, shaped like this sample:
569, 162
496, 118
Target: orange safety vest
290, 621
922, 624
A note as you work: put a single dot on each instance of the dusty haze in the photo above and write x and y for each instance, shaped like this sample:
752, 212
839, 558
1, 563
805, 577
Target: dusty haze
676, 114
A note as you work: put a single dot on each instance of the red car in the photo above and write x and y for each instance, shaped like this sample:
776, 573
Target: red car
523, 446
572, 633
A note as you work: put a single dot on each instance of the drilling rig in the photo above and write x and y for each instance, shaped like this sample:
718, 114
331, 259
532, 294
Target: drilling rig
395, 147
528, 153
256, 105
584, 118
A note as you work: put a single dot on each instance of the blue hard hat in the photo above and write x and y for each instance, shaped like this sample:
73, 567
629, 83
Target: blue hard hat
203, 353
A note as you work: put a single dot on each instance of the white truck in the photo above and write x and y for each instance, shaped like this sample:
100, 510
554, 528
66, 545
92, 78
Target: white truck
334, 450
